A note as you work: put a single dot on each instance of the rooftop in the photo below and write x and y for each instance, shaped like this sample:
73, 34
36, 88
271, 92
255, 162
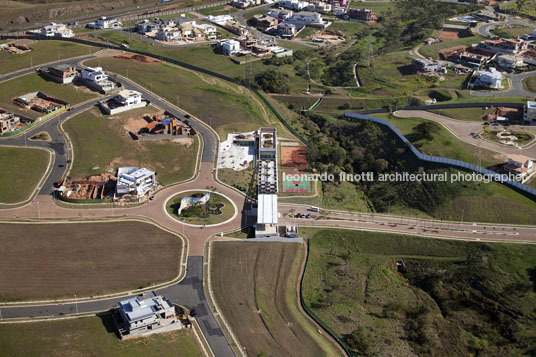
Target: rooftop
267, 209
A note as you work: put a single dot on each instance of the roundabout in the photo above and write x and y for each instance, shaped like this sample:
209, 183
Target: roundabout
200, 208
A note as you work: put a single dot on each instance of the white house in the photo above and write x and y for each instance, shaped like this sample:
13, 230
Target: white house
520, 165
529, 114
488, 79
128, 97
94, 74
209, 31
509, 61
146, 26
286, 30
134, 181
295, 5
280, 14
306, 18
140, 315
169, 34
230, 47
104, 23
219, 20
56, 30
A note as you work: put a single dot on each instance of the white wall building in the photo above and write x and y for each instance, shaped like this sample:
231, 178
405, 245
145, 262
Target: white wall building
529, 114
151, 313
94, 74
169, 34
209, 31
105, 23
230, 47
56, 30
267, 213
520, 165
128, 97
295, 5
134, 181
488, 79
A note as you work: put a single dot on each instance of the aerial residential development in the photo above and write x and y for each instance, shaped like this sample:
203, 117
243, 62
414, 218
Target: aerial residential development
268, 178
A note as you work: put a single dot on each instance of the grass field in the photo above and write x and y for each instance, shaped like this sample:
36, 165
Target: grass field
59, 260
22, 169
222, 105
243, 180
529, 84
218, 10
466, 114
523, 137
527, 7
44, 52
13, 88
450, 299
227, 210
101, 144
379, 8
90, 336
442, 142
261, 306
392, 74
511, 31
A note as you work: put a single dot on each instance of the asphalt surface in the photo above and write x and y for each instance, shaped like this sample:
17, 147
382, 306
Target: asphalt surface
516, 89
21, 72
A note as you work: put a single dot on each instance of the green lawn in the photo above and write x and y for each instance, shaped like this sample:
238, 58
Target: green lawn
433, 50
218, 10
44, 52
221, 104
523, 137
102, 145
90, 336
527, 7
244, 180
529, 84
13, 88
227, 210
511, 31
448, 298
22, 169
392, 74
379, 8
466, 114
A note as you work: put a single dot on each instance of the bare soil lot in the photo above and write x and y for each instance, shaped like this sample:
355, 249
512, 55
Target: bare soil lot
294, 158
58, 260
261, 306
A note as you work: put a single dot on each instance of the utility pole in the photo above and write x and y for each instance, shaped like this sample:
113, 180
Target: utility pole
31, 61
178, 102
76, 304
38, 211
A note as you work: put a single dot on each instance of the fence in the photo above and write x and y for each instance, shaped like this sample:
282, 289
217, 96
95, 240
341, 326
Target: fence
443, 160
443, 106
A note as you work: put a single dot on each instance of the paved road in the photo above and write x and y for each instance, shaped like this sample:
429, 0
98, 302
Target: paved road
414, 226
516, 89
464, 129
21, 72
189, 293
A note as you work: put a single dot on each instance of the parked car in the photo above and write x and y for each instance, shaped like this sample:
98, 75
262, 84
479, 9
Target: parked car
152, 197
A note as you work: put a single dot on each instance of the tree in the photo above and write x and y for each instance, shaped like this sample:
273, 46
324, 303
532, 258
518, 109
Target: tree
273, 82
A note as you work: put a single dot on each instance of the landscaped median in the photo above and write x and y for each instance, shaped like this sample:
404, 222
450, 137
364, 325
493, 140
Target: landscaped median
218, 209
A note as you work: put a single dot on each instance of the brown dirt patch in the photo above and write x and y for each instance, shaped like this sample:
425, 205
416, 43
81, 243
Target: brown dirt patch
184, 141
58, 260
294, 158
267, 271
137, 58
448, 35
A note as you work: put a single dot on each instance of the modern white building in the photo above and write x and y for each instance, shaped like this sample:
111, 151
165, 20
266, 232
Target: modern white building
267, 213
529, 114
509, 61
105, 23
230, 47
488, 79
134, 181
220, 19
169, 34
520, 165
56, 30
141, 315
209, 31
286, 30
307, 18
94, 74
295, 5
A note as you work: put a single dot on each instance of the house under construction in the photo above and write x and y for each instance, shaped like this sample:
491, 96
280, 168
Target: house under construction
166, 124
96, 187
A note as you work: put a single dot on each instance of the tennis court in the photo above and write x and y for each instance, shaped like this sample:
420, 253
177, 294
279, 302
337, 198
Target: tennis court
296, 183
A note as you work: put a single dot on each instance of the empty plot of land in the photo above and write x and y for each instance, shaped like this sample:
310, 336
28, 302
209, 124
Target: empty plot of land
58, 260
294, 158
261, 306
21, 170
90, 336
